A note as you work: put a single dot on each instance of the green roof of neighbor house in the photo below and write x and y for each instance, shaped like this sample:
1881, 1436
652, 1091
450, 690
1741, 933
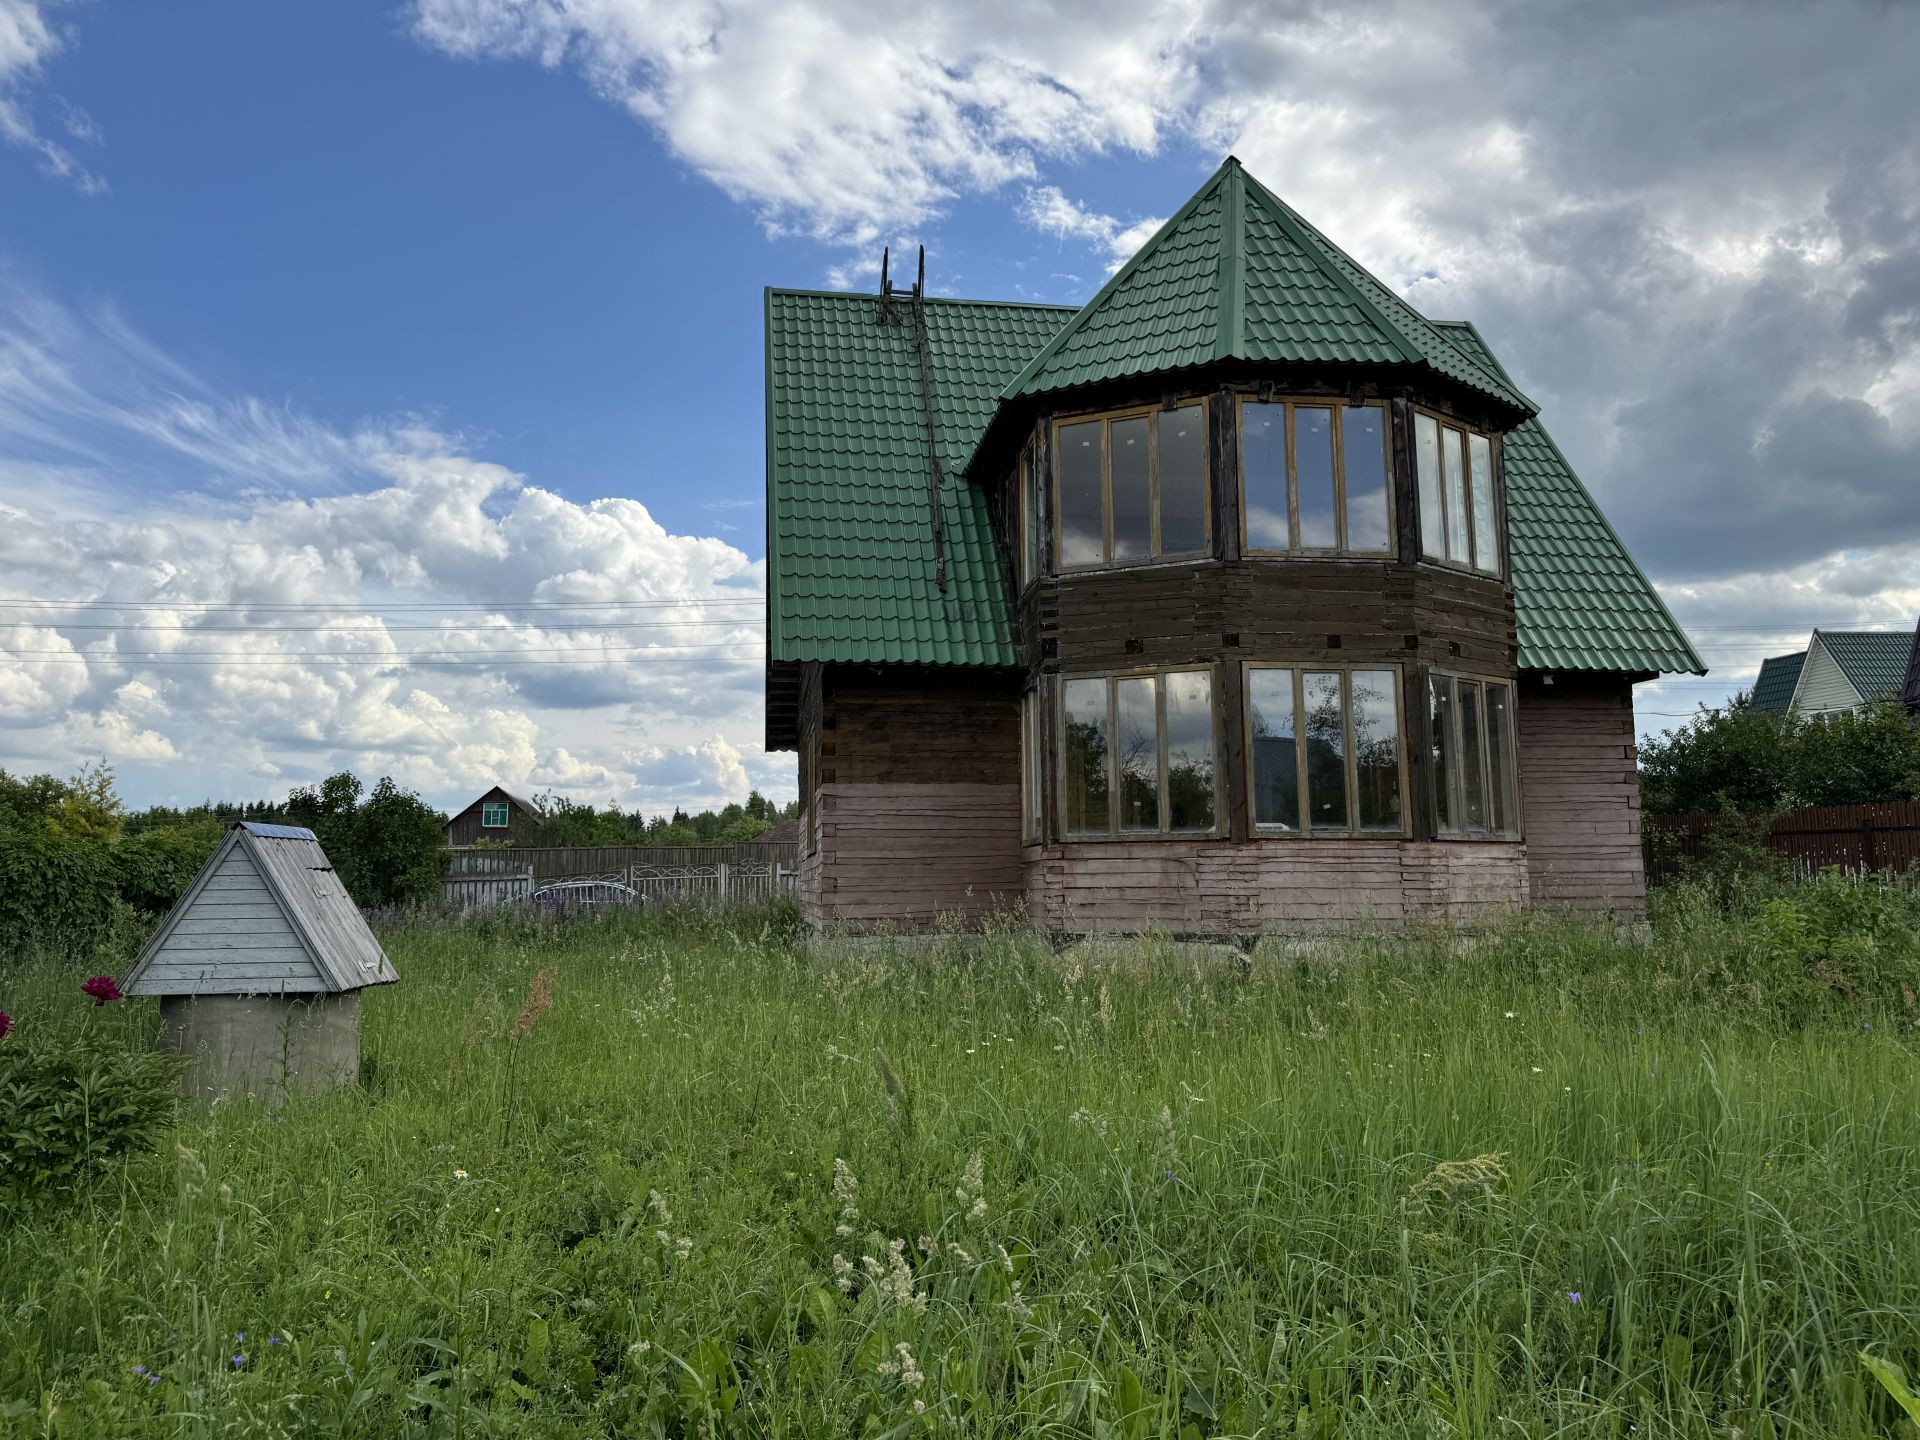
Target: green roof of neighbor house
1236, 274
850, 547
1874, 661
1579, 600
1773, 687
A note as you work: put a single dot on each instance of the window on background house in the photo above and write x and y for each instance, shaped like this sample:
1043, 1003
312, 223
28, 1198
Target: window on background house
1475, 766
1324, 750
1137, 755
1131, 487
493, 815
1458, 514
1314, 477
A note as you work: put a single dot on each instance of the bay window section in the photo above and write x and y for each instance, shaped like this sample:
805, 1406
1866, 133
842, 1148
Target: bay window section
1324, 750
1132, 487
1137, 755
1459, 519
1475, 765
1031, 790
1314, 478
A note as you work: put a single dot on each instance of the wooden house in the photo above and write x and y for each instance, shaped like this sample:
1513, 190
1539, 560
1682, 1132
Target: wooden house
1243, 598
498, 816
259, 967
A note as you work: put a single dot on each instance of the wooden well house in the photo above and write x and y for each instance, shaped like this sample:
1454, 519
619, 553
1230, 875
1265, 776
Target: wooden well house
259, 967
1243, 598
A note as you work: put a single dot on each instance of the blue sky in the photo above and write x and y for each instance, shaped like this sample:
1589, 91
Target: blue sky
430, 312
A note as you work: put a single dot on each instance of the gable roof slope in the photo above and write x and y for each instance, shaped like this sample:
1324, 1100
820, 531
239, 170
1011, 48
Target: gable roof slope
1773, 687
1910, 692
1238, 274
1874, 661
297, 878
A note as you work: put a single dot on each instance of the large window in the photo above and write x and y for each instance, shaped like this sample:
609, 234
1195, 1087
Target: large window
1136, 755
1028, 480
1314, 477
1458, 520
493, 815
1131, 487
1324, 750
1030, 787
1475, 779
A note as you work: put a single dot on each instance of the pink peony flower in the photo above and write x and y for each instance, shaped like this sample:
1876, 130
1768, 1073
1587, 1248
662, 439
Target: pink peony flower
101, 988
6, 1024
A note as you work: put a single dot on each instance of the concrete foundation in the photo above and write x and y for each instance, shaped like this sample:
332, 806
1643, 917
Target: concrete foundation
263, 1046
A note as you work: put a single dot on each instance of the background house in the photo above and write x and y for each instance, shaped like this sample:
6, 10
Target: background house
1840, 670
499, 815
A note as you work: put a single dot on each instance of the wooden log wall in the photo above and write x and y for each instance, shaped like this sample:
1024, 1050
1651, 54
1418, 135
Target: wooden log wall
911, 854
1580, 793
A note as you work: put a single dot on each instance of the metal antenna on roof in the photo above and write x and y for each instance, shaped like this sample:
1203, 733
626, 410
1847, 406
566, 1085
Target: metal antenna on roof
935, 480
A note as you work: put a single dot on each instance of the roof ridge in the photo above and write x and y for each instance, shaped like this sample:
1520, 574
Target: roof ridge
869, 295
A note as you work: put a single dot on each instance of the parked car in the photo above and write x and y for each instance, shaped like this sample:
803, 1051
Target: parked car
586, 895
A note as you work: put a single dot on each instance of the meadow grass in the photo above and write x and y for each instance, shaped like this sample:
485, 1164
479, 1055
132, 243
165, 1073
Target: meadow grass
1542, 1182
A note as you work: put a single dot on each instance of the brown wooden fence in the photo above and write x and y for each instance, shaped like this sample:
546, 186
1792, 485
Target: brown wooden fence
489, 874
1857, 838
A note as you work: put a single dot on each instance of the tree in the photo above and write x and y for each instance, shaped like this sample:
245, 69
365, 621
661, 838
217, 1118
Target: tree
1736, 757
387, 850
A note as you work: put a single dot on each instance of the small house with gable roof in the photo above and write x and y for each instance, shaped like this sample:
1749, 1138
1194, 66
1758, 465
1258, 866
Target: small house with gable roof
1243, 598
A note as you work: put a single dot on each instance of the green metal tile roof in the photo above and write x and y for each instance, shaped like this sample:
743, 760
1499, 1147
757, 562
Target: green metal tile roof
1874, 661
1579, 600
1236, 274
1773, 687
850, 553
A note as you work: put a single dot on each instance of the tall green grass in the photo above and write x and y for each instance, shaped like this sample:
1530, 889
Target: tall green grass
1539, 1183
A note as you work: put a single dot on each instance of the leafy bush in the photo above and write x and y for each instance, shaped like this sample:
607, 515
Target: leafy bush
1757, 760
386, 849
57, 891
155, 867
1848, 937
71, 1104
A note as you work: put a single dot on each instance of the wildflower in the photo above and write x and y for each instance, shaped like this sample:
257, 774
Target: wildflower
1510, 1015
273, 1339
1573, 1297
919, 1407
239, 1362
539, 1000
1538, 1071
843, 1273
240, 1338
639, 1347
139, 1369
659, 1207
959, 1254
894, 1280
846, 1190
909, 1372
101, 988
1086, 1117
153, 1379
459, 1174
6, 1024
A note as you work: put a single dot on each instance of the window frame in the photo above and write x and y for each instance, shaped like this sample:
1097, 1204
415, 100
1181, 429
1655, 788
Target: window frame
1456, 800
1033, 787
1113, 832
1495, 494
1334, 405
1106, 418
1028, 558
1268, 830
493, 807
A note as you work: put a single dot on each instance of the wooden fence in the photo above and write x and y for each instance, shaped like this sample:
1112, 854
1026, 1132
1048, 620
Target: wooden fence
492, 875
1862, 839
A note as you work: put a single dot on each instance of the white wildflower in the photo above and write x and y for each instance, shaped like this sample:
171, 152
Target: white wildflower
978, 1212
846, 1191
959, 1254
659, 1207
843, 1273
910, 1375
1086, 1117
1006, 1260
639, 1347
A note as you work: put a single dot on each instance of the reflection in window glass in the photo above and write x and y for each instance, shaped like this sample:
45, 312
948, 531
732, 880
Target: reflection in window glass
1030, 787
1276, 758
1453, 461
1181, 447
1326, 752
1486, 550
1082, 525
1132, 489
1501, 768
1442, 745
1376, 749
1137, 724
1313, 473
1189, 750
1473, 798
1433, 514
1084, 763
1263, 439
1363, 442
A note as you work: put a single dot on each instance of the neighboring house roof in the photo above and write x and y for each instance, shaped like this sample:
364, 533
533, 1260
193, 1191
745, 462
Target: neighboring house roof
1773, 688
500, 791
1873, 662
850, 548
1910, 692
1237, 274
267, 914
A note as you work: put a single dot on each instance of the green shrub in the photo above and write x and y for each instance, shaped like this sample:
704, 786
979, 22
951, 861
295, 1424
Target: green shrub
70, 1104
56, 891
155, 868
1849, 937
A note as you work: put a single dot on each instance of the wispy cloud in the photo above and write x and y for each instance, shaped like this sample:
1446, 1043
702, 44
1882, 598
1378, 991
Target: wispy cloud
27, 41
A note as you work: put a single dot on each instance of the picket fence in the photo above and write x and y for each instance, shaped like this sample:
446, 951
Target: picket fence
478, 878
